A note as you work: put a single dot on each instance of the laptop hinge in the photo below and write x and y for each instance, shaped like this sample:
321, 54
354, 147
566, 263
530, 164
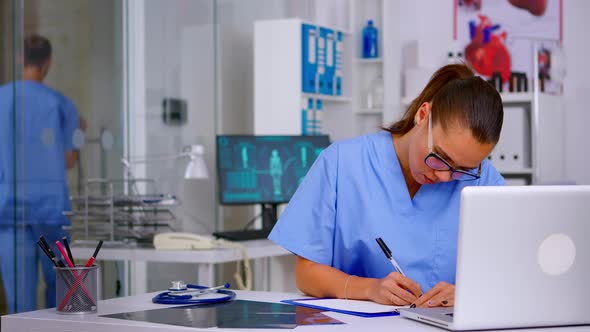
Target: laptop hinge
433, 321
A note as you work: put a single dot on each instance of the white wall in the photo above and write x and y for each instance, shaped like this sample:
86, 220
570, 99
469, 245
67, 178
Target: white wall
235, 38
179, 63
430, 24
577, 86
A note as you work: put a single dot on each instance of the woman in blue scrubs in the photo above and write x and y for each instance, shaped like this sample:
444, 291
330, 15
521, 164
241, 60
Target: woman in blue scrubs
403, 185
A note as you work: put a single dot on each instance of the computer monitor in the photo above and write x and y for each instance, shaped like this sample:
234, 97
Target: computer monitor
264, 170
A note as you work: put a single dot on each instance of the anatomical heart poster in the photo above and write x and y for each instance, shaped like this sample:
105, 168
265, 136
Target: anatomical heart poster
499, 36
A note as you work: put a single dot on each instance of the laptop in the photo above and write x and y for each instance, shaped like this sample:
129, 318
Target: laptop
523, 260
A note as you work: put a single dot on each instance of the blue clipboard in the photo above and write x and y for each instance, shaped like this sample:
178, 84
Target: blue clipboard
309, 303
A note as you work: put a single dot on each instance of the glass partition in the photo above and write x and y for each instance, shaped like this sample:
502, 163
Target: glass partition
62, 112
13, 255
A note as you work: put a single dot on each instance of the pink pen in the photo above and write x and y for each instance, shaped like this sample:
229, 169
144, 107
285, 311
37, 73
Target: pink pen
64, 254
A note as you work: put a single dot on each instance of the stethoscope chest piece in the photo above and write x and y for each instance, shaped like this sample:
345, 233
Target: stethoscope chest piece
177, 285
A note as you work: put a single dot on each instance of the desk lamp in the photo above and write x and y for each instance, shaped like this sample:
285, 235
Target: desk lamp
195, 169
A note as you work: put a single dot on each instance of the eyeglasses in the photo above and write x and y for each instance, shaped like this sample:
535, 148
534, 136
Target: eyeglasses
437, 162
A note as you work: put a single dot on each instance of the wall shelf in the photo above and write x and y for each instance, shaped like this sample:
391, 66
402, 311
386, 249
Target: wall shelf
369, 61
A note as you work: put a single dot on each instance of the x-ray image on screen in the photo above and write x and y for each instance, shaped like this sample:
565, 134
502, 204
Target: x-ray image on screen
264, 169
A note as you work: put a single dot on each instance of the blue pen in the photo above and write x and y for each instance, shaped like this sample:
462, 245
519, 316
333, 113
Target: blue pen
387, 253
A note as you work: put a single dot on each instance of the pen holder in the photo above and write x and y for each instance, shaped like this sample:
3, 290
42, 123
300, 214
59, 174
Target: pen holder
76, 289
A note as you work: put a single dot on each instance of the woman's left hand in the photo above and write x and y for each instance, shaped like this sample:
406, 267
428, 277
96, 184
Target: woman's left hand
441, 295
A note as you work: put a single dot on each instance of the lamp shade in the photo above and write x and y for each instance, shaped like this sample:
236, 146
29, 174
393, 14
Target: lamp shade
196, 167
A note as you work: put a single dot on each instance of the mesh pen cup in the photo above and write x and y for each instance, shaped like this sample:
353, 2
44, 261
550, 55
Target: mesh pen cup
76, 289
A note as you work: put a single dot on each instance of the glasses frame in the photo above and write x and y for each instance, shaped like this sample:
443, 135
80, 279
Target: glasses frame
470, 176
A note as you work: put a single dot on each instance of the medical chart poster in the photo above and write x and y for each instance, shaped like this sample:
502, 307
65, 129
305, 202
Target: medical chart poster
497, 35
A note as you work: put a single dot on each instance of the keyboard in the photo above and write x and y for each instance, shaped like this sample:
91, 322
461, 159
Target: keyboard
243, 235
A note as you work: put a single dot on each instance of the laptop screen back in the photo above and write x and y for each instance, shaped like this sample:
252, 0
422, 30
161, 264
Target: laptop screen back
523, 257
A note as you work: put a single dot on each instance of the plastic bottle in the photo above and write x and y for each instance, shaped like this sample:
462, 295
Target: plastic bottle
370, 39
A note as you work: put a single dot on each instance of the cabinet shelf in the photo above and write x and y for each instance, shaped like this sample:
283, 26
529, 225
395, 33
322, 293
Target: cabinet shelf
516, 97
522, 171
370, 111
369, 60
507, 98
342, 99
335, 28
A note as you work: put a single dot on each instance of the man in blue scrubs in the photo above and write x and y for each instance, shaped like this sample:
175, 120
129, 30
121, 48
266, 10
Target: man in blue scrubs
37, 126
403, 185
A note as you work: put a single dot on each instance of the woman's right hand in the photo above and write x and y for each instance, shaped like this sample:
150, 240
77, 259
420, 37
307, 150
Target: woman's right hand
394, 289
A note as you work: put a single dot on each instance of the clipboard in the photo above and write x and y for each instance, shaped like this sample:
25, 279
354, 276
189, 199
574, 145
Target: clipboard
349, 307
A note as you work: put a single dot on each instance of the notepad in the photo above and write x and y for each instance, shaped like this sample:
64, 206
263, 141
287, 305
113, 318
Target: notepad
350, 307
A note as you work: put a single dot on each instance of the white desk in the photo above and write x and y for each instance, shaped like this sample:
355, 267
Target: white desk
135, 260
48, 320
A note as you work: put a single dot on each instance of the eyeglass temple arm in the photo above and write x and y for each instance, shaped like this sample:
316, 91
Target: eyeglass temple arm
429, 131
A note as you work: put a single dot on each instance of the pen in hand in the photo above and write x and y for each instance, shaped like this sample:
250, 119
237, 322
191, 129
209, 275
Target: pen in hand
387, 253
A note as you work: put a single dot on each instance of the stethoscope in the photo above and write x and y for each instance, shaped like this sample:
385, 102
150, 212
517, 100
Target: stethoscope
181, 293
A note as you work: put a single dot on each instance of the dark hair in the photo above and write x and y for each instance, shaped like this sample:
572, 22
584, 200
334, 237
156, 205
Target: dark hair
458, 97
37, 50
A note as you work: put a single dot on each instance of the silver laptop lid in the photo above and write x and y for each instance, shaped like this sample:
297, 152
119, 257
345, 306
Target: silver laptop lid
523, 257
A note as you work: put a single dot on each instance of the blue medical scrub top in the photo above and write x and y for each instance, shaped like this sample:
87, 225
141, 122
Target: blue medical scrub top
356, 192
33, 142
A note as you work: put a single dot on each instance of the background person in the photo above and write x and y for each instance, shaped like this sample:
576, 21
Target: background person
36, 132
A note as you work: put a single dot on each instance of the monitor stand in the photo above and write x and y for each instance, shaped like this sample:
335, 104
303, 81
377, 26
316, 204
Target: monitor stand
269, 215
269, 218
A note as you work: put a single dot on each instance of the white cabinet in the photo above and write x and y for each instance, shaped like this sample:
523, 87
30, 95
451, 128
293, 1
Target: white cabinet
281, 104
513, 156
549, 144
531, 146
